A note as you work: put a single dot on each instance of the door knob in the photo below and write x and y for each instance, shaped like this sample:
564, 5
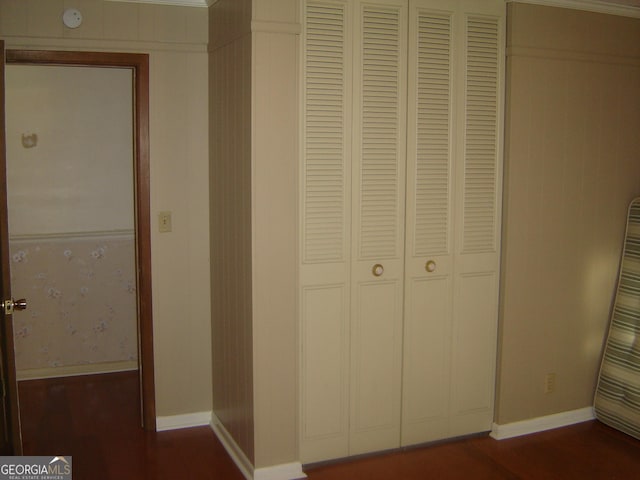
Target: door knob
377, 270
430, 266
10, 305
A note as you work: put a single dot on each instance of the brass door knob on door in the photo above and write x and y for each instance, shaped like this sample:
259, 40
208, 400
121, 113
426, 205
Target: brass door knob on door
377, 270
430, 266
10, 305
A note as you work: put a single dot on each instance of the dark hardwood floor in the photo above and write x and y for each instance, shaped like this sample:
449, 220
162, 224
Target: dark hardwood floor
588, 450
96, 420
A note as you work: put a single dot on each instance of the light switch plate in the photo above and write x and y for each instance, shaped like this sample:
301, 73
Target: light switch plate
164, 222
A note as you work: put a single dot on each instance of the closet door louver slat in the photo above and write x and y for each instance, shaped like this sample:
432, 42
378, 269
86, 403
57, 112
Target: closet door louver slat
380, 174
433, 154
481, 134
324, 132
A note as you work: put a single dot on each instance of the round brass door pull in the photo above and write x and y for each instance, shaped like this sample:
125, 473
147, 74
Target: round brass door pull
377, 270
430, 266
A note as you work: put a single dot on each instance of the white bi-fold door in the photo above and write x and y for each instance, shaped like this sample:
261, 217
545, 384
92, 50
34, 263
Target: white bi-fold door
452, 217
399, 223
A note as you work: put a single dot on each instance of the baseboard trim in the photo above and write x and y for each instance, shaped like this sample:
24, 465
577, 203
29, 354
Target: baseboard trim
188, 420
285, 471
233, 449
76, 370
540, 424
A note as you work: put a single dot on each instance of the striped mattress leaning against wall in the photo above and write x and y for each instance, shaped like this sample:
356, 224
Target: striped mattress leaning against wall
617, 400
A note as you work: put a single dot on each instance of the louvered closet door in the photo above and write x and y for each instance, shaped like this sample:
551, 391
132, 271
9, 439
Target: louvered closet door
325, 240
378, 179
453, 211
478, 214
429, 234
352, 219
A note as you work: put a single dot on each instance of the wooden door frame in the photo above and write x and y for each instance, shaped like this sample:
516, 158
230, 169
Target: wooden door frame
11, 411
139, 63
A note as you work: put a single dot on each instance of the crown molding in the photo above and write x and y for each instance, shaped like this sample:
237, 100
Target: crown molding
177, 3
597, 6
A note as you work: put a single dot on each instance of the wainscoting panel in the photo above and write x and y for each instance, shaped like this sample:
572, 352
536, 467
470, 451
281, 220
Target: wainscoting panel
81, 294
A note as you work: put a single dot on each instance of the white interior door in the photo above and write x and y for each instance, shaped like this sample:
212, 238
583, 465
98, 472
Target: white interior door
378, 179
453, 218
325, 220
431, 171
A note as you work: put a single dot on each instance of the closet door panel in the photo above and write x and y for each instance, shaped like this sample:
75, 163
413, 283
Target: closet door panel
429, 223
325, 219
425, 406
378, 178
376, 352
477, 257
474, 347
325, 343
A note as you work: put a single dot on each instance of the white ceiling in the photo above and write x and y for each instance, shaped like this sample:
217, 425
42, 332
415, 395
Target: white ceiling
617, 7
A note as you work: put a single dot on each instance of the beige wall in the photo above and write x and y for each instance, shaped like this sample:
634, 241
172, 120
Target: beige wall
231, 249
253, 225
571, 167
79, 175
175, 38
275, 198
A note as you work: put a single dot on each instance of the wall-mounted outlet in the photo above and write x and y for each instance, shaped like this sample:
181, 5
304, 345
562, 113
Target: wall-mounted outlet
549, 383
164, 222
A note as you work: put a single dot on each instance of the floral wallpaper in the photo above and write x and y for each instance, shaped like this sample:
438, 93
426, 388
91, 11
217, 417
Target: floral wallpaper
81, 296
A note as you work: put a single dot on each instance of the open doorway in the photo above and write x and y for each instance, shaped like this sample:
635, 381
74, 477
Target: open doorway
86, 230
70, 199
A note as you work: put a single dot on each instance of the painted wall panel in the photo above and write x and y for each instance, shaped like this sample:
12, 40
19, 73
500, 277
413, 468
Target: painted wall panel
231, 224
571, 169
78, 176
274, 241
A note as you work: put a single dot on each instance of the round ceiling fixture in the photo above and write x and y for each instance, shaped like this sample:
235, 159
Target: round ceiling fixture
72, 17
